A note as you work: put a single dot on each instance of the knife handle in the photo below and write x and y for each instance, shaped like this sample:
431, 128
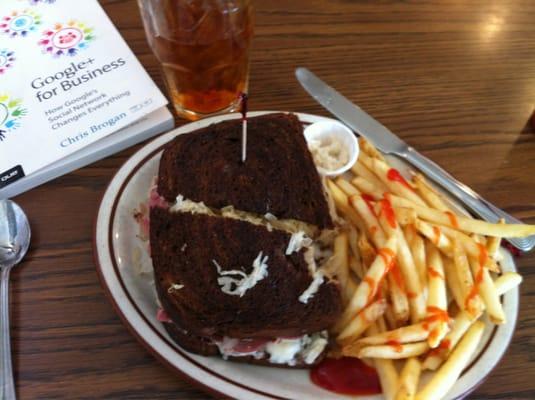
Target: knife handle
465, 195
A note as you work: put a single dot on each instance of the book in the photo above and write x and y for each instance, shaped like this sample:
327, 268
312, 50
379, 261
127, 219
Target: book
71, 91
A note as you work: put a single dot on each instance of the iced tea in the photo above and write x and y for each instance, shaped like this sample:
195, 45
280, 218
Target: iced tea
203, 47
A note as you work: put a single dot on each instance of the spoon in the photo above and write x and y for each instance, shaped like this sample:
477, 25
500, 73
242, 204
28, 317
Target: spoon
14, 242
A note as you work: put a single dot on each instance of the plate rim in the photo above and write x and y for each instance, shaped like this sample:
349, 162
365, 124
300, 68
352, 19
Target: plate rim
115, 189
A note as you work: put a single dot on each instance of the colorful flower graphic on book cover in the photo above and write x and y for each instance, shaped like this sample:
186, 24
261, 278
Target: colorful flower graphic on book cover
11, 111
7, 58
67, 39
20, 23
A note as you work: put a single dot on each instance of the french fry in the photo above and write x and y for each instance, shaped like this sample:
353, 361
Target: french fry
461, 323
471, 300
399, 301
370, 149
352, 237
355, 260
366, 186
408, 380
392, 352
388, 375
340, 260
342, 204
355, 265
493, 245
373, 229
364, 211
452, 282
479, 239
361, 322
506, 282
373, 183
417, 247
410, 232
347, 187
413, 254
436, 279
447, 375
463, 223
437, 303
350, 288
389, 317
487, 291
406, 334
405, 216
415, 291
367, 251
392, 179
429, 194
367, 289
398, 296
437, 334
472, 248
409, 276
434, 199
435, 235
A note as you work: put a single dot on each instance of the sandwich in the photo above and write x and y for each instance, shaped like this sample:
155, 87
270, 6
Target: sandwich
241, 251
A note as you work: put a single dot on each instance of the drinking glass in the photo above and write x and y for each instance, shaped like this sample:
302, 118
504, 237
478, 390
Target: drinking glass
203, 48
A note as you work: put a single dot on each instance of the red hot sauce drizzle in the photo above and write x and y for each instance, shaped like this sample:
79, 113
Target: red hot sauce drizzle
443, 347
394, 176
371, 283
398, 278
395, 344
388, 257
478, 279
346, 375
437, 233
453, 219
433, 273
388, 212
369, 202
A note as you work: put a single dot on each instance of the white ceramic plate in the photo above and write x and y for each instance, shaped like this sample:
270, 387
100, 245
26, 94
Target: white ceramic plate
131, 290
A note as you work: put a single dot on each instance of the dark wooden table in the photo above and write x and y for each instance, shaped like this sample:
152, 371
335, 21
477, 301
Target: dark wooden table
456, 79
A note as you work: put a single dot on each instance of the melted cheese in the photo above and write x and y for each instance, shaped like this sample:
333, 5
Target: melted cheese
284, 351
314, 349
185, 205
238, 286
306, 348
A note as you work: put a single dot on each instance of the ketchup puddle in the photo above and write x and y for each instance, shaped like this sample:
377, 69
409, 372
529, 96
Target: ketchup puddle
346, 375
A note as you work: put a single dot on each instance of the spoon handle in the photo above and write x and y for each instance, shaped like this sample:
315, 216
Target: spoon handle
7, 385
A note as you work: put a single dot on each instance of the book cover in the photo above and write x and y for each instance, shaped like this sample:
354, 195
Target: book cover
67, 80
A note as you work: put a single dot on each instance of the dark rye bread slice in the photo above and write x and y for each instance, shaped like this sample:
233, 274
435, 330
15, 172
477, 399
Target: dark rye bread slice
183, 246
278, 177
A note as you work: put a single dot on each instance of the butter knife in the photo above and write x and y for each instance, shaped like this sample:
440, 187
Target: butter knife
362, 123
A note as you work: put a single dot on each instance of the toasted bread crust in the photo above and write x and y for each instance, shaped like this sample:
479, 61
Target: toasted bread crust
279, 176
183, 247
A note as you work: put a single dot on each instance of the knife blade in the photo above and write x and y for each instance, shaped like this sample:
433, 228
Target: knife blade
351, 114
365, 125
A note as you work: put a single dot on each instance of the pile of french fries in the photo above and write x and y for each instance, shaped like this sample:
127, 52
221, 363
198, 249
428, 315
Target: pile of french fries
416, 278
